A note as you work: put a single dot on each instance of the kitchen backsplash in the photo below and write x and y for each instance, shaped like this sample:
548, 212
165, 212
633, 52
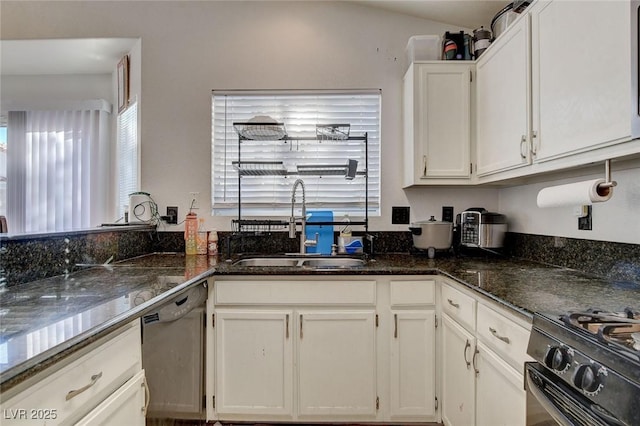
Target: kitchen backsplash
27, 259
616, 261
24, 259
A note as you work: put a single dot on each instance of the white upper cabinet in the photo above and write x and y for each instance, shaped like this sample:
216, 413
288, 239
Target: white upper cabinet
437, 123
502, 102
582, 81
558, 89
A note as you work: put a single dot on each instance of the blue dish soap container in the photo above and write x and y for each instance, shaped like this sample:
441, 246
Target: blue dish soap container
325, 232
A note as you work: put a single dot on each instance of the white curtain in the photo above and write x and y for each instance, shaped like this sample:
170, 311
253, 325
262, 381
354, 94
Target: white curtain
57, 168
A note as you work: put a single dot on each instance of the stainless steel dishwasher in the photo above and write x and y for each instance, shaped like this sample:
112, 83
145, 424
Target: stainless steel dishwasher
173, 356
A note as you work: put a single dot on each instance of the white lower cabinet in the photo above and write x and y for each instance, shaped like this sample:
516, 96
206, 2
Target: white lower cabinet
482, 364
501, 398
126, 406
254, 351
103, 385
458, 384
322, 349
289, 349
369, 349
413, 360
336, 364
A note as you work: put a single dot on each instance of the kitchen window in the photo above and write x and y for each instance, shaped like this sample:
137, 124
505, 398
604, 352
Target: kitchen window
128, 156
300, 111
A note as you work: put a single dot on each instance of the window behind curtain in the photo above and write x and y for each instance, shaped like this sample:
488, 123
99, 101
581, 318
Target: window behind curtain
3, 170
300, 112
127, 155
57, 168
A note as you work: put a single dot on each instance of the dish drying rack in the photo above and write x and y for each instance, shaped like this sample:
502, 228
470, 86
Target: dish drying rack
276, 131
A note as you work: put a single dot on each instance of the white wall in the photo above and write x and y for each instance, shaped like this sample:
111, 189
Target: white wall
615, 220
190, 48
30, 88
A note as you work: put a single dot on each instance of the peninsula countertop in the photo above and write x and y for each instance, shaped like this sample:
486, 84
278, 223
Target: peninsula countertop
90, 303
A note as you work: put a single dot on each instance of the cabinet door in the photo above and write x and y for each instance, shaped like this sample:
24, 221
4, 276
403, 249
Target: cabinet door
175, 391
581, 75
458, 384
502, 102
126, 406
437, 122
336, 364
413, 364
254, 363
501, 398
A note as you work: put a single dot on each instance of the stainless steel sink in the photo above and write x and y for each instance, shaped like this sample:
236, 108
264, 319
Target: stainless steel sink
269, 261
308, 262
334, 262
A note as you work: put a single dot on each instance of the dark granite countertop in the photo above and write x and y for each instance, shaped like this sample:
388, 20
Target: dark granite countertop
523, 286
44, 321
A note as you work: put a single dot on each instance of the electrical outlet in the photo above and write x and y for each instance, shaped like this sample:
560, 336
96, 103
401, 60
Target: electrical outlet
585, 223
400, 215
447, 214
172, 215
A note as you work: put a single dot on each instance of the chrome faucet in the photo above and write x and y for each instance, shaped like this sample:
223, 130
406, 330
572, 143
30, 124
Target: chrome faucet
304, 243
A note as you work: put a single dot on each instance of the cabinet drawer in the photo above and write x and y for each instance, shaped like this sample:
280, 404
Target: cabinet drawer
411, 293
71, 392
299, 292
459, 306
503, 335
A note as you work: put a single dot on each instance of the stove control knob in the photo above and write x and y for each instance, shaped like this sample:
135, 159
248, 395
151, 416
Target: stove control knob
558, 359
588, 379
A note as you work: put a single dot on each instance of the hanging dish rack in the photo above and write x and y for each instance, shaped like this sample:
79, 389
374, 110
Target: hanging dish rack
264, 128
261, 128
335, 132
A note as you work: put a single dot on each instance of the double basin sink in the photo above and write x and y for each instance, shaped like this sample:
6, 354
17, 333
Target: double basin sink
301, 262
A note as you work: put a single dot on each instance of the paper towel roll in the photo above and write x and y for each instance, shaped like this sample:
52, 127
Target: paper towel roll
574, 194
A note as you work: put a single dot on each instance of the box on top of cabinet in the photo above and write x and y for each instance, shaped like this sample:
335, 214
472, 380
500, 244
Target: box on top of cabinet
424, 48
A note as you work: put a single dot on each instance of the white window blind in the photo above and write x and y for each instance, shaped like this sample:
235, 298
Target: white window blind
56, 169
3, 170
127, 156
300, 112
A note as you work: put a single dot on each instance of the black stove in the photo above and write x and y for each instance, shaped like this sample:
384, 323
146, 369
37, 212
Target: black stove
587, 369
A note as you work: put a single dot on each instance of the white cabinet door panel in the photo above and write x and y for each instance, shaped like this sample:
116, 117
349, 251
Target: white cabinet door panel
502, 102
458, 383
413, 364
580, 77
253, 363
336, 363
501, 398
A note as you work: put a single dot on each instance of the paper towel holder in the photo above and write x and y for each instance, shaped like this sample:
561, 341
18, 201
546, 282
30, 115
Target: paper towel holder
608, 184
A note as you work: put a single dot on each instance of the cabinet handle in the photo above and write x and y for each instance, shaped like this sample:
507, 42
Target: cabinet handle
475, 352
467, 346
534, 146
452, 303
287, 326
395, 326
424, 165
301, 326
523, 141
497, 336
147, 397
74, 393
